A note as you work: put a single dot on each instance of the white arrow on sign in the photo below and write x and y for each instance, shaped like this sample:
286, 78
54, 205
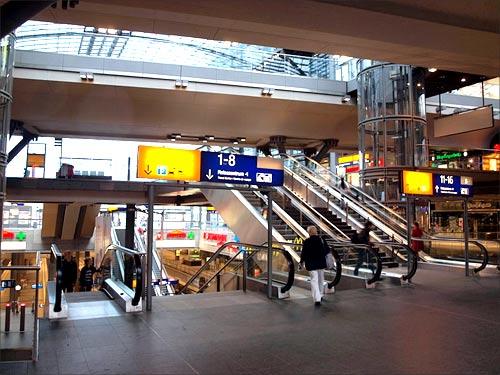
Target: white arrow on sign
209, 174
437, 188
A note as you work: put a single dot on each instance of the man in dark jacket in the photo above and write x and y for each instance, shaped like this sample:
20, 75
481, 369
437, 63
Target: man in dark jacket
87, 276
69, 272
314, 257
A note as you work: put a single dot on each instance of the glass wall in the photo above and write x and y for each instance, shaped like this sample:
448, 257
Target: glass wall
392, 122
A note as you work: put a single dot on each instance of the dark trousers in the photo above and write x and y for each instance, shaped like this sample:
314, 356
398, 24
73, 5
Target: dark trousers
86, 288
364, 255
67, 288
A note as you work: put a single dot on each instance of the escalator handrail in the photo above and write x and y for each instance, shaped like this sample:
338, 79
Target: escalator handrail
283, 215
291, 270
58, 257
351, 187
398, 221
355, 206
482, 248
410, 254
313, 211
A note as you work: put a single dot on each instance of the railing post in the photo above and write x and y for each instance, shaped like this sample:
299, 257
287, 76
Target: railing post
35, 322
466, 237
218, 282
149, 271
269, 245
245, 270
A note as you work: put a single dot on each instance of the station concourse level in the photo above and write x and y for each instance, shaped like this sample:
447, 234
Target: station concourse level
249, 187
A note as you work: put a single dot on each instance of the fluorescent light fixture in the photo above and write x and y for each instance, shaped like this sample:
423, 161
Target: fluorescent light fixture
432, 70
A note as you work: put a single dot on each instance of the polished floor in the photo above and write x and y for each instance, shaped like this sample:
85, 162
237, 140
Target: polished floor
443, 324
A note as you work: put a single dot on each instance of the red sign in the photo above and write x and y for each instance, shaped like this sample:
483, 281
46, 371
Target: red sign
496, 147
220, 238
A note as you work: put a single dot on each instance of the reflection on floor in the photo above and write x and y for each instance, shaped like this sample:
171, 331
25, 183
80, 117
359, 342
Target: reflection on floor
91, 305
443, 323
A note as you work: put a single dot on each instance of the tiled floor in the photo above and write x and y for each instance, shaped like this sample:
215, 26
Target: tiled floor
443, 324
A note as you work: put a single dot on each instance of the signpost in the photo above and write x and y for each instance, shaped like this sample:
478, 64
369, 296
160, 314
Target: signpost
240, 169
452, 185
177, 164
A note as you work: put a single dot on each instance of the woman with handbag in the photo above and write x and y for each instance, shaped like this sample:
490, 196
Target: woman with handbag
313, 258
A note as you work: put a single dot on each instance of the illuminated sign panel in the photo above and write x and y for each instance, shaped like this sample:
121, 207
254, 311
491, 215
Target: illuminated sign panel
417, 183
452, 185
168, 163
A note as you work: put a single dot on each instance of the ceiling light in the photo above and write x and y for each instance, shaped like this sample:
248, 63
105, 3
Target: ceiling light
204, 140
235, 142
242, 139
419, 84
172, 139
176, 136
432, 70
210, 137
112, 31
465, 153
102, 30
463, 79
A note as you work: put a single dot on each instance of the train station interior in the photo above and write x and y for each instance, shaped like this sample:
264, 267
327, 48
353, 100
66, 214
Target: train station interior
249, 187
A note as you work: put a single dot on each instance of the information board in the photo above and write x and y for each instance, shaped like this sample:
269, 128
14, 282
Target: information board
168, 163
240, 169
417, 183
445, 184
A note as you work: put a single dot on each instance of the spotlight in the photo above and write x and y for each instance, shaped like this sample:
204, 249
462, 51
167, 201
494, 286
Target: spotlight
204, 140
242, 139
235, 142
432, 70
346, 99
465, 153
419, 84
210, 137
172, 139
176, 136
463, 79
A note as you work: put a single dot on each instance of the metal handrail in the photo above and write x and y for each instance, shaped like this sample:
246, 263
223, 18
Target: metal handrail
291, 271
413, 264
352, 204
58, 256
288, 192
391, 214
482, 248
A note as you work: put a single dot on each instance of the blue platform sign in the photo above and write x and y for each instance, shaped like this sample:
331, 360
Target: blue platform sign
237, 169
460, 186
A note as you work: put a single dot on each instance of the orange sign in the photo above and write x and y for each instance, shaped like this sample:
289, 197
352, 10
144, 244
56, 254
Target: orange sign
417, 183
36, 160
168, 163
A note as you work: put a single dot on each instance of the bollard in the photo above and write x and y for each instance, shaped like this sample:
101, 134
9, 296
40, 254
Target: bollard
23, 317
7, 317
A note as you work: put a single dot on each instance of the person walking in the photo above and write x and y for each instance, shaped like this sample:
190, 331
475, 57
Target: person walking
87, 276
313, 257
417, 245
69, 273
363, 238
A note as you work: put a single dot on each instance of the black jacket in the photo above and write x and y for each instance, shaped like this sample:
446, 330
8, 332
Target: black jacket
69, 272
313, 253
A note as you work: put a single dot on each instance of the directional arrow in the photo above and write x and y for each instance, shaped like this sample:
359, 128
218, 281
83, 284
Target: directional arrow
437, 188
148, 171
209, 174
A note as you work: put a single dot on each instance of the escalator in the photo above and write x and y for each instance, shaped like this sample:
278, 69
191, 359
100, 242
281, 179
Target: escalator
117, 288
354, 207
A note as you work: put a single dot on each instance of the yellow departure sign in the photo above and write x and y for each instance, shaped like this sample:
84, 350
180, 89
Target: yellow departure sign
168, 163
417, 183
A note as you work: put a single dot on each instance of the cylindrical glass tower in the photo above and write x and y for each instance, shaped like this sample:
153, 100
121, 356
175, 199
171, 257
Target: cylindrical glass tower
6, 68
391, 125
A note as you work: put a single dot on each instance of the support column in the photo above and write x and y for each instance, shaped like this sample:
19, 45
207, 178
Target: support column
466, 236
129, 226
6, 68
269, 245
149, 271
